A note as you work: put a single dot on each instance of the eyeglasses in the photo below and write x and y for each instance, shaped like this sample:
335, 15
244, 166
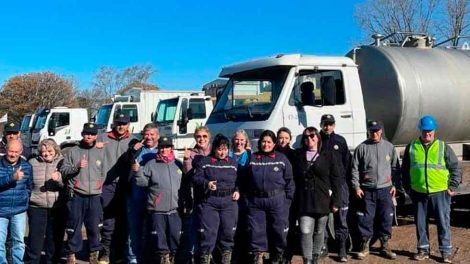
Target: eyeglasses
202, 136
312, 136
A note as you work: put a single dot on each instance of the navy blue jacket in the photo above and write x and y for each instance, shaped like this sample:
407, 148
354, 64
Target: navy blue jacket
268, 173
14, 195
337, 144
211, 169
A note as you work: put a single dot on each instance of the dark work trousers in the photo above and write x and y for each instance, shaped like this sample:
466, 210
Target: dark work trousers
83, 209
188, 241
376, 206
240, 250
114, 214
165, 232
46, 230
293, 236
340, 217
218, 221
268, 218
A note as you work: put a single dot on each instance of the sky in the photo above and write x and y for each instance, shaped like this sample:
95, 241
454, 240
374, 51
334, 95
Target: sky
188, 42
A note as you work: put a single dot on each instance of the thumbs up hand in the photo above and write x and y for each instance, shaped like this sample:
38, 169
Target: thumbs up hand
83, 162
187, 153
18, 174
55, 176
135, 166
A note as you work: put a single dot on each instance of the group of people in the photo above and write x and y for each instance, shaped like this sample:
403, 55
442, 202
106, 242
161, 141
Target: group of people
223, 201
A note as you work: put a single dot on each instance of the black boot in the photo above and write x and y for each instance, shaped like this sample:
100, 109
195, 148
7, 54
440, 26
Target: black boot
324, 249
385, 250
364, 250
307, 261
205, 259
277, 258
342, 252
316, 259
226, 257
257, 257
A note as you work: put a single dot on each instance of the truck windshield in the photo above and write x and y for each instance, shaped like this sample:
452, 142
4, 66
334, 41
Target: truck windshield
102, 116
166, 111
25, 123
250, 95
41, 121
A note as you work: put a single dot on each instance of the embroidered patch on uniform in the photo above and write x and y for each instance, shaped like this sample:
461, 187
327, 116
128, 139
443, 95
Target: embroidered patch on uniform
336, 147
98, 163
387, 157
179, 172
276, 169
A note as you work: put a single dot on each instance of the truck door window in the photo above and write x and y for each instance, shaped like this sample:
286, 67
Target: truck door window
198, 108
319, 88
129, 110
59, 120
166, 111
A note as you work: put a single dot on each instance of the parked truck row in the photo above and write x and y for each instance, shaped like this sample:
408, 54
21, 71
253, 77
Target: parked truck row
178, 113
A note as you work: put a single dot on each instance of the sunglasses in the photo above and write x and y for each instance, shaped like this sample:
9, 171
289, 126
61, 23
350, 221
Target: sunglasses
312, 136
202, 136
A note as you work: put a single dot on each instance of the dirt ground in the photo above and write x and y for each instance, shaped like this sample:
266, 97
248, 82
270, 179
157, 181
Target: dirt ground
403, 243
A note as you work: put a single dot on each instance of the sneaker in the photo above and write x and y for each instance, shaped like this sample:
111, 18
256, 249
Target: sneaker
446, 259
421, 255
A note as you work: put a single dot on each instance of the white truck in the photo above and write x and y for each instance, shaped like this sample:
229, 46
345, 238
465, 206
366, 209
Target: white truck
62, 124
26, 128
138, 104
395, 85
178, 117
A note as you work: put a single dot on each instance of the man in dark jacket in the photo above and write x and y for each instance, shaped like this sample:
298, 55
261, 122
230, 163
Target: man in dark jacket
115, 144
15, 188
337, 144
11, 131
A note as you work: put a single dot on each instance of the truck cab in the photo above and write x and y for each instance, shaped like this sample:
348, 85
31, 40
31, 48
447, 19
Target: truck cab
293, 91
178, 117
62, 124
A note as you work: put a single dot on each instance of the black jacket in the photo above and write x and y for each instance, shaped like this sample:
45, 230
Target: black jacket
314, 180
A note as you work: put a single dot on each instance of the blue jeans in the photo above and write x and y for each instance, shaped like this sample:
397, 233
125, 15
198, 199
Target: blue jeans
17, 231
136, 214
313, 233
440, 204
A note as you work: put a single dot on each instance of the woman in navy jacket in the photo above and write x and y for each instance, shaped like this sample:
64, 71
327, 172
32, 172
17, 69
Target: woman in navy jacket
216, 195
317, 181
269, 188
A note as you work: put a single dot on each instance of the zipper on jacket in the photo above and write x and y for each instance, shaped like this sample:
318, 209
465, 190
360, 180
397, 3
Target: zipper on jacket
378, 163
171, 186
89, 171
426, 168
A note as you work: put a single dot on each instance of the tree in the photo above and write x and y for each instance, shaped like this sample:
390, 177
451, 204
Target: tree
424, 16
109, 80
25, 93
455, 22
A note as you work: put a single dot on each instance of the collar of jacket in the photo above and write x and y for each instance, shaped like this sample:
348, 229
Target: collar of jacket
271, 154
113, 135
214, 159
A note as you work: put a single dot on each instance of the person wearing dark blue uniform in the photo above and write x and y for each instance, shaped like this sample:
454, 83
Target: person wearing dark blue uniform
215, 183
337, 144
269, 188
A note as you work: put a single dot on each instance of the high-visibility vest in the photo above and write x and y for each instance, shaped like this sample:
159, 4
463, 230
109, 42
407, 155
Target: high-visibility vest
428, 170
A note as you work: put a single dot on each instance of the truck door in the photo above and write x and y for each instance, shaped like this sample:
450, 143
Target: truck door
182, 124
318, 92
58, 127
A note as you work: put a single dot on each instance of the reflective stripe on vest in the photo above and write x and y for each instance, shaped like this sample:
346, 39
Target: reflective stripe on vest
428, 172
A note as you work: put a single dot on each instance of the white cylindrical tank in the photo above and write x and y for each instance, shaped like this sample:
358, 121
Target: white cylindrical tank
401, 84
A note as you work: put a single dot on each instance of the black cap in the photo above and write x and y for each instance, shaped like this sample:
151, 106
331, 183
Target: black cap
327, 119
122, 118
165, 142
11, 127
373, 125
90, 128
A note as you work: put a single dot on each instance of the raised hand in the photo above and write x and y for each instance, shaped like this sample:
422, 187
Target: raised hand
83, 162
101, 145
55, 176
18, 174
